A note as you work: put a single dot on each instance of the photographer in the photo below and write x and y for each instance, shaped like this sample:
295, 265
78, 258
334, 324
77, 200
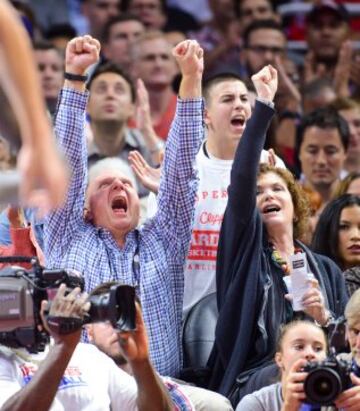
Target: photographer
299, 342
70, 375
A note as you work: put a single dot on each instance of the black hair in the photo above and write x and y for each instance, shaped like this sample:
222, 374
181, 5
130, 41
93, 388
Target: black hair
326, 236
45, 45
125, 5
324, 118
115, 20
211, 81
259, 25
60, 30
110, 67
238, 4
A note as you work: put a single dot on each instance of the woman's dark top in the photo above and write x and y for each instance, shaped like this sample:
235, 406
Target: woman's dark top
250, 287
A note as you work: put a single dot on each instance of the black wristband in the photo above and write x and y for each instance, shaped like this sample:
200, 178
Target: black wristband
75, 77
64, 325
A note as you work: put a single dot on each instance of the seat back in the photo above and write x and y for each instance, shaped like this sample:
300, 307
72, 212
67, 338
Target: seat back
199, 332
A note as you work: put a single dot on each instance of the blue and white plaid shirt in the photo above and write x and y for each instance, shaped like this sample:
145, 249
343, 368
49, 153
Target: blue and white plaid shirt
161, 244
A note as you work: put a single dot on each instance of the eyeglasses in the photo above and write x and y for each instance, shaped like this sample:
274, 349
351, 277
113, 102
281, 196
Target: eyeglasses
264, 49
146, 6
259, 10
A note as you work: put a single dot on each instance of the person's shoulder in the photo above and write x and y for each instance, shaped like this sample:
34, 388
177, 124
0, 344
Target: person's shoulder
264, 399
327, 262
6, 353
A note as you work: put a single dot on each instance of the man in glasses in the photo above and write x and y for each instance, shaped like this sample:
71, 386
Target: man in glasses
264, 42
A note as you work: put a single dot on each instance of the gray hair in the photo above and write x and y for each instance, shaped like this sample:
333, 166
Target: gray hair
112, 163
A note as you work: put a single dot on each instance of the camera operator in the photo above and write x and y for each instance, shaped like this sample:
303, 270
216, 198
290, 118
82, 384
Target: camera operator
186, 397
70, 375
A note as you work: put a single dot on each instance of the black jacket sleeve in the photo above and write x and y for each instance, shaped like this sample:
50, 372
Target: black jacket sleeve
242, 194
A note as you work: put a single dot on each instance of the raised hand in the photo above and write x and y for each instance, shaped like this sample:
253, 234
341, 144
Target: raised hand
190, 57
312, 70
148, 176
343, 70
287, 88
16, 217
81, 53
134, 344
266, 82
143, 117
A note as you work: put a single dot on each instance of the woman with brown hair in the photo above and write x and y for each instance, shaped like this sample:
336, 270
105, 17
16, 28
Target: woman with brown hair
265, 217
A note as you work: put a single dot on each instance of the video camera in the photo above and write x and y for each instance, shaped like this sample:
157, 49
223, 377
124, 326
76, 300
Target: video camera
329, 378
21, 293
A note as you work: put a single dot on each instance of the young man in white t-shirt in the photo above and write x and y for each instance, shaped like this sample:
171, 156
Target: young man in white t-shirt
73, 376
227, 109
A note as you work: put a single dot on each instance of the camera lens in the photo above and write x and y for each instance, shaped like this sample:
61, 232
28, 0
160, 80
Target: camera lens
322, 386
116, 306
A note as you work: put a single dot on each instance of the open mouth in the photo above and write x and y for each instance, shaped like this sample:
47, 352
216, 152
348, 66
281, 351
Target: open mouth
119, 204
237, 121
271, 209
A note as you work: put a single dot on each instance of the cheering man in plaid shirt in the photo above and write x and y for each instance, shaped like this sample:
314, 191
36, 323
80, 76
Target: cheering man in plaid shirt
96, 233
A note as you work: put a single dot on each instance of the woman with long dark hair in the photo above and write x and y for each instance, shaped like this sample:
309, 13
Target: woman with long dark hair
337, 235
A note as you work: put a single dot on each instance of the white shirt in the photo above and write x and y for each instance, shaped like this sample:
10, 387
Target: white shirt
91, 382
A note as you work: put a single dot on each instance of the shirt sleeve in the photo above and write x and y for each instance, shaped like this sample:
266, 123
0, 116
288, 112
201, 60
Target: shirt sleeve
9, 384
178, 184
61, 224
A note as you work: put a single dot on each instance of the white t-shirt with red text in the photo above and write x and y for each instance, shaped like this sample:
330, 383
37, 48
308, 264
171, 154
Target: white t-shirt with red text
91, 381
211, 200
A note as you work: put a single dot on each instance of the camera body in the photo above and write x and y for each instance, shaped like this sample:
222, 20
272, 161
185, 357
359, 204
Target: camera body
326, 380
21, 293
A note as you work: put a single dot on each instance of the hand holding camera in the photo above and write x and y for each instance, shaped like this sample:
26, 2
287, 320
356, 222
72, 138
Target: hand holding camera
21, 324
65, 318
134, 344
293, 389
350, 399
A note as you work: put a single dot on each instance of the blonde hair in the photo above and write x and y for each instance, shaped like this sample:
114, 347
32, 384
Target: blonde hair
352, 309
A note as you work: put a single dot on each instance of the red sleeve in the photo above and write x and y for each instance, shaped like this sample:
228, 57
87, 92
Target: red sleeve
21, 246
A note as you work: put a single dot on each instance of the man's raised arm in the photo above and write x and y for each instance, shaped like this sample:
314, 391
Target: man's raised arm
178, 183
81, 53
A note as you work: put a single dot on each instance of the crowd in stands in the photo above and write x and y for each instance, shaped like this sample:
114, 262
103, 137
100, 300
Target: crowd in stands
207, 145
